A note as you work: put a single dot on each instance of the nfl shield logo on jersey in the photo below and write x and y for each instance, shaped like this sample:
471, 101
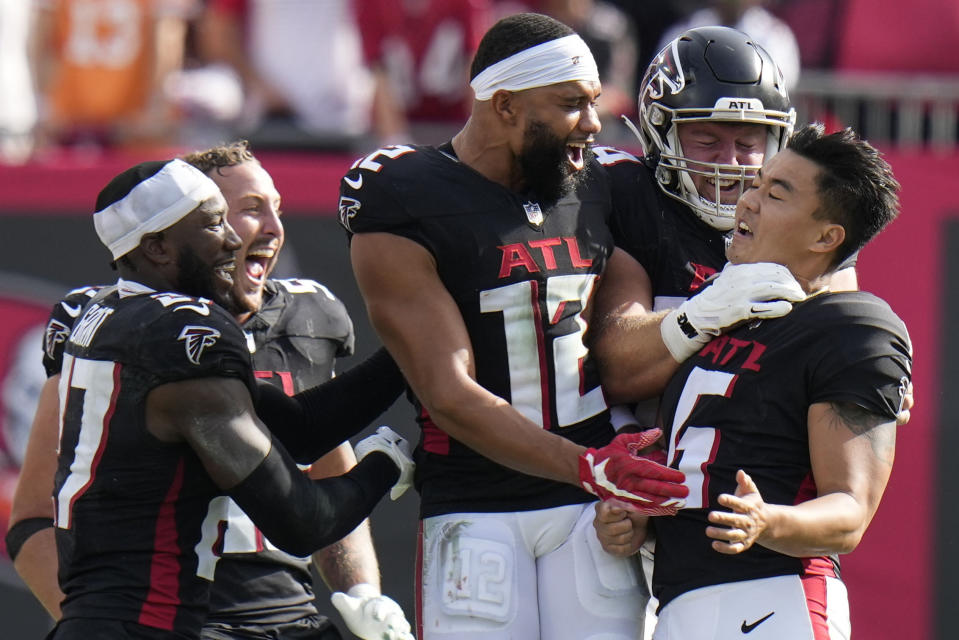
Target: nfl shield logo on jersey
534, 213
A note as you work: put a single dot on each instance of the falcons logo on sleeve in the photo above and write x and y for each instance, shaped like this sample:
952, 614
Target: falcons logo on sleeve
56, 333
348, 208
197, 339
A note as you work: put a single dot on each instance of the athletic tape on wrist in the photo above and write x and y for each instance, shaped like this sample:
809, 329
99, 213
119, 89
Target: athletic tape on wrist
680, 344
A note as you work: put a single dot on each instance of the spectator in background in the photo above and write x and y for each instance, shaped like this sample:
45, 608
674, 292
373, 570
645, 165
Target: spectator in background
419, 52
650, 18
102, 65
18, 109
818, 27
300, 65
751, 17
612, 39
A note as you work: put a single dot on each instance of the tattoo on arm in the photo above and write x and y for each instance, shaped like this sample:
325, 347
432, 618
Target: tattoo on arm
880, 431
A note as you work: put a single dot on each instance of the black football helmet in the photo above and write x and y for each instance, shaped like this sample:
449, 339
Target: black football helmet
716, 74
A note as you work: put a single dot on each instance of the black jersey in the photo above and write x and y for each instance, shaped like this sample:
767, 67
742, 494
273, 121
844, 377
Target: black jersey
678, 250
294, 338
742, 402
520, 272
128, 507
60, 324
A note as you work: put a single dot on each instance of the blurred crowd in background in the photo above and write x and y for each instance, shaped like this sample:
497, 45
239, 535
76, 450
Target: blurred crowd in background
82, 78
90, 75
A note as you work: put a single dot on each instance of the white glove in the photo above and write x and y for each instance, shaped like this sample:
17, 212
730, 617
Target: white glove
392, 444
739, 292
369, 615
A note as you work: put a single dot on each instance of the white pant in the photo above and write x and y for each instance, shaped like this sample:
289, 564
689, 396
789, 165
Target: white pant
780, 608
531, 574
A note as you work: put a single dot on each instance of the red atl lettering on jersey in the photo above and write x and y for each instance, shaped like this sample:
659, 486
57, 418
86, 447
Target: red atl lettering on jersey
522, 255
724, 348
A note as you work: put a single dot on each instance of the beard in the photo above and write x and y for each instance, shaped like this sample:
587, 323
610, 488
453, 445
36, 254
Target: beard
196, 278
241, 303
546, 168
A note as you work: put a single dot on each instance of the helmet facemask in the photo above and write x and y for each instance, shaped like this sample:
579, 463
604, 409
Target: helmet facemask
675, 171
682, 86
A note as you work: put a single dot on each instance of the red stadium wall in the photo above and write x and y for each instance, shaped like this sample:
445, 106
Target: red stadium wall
891, 577
890, 35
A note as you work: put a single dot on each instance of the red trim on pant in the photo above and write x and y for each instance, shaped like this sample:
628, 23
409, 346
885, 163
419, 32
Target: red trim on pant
814, 587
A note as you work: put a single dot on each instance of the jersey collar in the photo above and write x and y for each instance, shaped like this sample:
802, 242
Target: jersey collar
132, 288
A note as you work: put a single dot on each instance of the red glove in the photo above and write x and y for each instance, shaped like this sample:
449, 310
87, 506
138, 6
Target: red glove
618, 471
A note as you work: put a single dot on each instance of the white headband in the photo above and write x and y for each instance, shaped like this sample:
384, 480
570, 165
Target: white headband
560, 60
158, 202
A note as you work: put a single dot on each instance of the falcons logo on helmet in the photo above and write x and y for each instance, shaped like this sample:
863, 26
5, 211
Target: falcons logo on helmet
197, 339
56, 333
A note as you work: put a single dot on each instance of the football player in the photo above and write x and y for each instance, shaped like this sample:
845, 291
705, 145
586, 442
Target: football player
145, 216
296, 328
785, 428
712, 108
478, 260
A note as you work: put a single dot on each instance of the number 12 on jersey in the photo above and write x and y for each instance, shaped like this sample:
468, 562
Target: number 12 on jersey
526, 333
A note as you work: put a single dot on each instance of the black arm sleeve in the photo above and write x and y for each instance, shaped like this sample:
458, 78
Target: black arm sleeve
316, 420
300, 515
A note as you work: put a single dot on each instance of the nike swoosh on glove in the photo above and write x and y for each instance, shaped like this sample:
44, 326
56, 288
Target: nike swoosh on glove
371, 615
738, 293
387, 441
619, 471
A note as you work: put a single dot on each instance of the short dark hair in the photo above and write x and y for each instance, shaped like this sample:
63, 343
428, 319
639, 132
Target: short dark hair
513, 34
224, 155
856, 186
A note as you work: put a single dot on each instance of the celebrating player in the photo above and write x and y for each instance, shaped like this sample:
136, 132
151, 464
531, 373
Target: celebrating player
785, 428
712, 107
177, 421
478, 261
298, 327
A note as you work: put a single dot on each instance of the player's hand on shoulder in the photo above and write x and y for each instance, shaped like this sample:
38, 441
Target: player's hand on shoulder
387, 441
619, 471
371, 615
737, 530
740, 292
